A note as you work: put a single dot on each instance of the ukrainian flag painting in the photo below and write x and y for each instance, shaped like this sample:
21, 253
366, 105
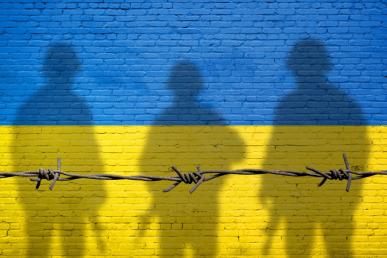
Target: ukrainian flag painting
134, 88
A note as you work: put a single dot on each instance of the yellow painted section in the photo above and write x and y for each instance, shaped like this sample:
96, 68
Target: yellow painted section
234, 216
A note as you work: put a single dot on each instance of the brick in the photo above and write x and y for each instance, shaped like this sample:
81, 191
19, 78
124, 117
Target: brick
257, 101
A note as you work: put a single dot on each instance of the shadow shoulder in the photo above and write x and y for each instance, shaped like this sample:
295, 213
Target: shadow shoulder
47, 106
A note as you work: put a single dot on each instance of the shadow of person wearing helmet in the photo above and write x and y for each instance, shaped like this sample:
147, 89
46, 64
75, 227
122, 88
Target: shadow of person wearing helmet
297, 205
72, 206
187, 221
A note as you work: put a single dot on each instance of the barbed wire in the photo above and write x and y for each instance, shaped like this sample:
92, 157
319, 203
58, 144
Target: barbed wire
197, 177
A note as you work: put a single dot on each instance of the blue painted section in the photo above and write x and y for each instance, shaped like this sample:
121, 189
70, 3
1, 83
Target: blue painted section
193, 62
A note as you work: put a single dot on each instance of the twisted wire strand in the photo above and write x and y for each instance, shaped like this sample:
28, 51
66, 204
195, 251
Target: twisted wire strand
197, 177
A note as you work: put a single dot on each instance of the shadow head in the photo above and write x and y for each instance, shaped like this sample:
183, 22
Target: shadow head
309, 58
185, 80
61, 63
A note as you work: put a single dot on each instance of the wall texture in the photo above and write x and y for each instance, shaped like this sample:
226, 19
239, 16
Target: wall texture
133, 87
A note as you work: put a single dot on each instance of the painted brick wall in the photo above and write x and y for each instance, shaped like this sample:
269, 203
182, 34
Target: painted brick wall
237, 216
123, 54
133, 87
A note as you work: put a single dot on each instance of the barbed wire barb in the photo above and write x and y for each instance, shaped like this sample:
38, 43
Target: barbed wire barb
197, 177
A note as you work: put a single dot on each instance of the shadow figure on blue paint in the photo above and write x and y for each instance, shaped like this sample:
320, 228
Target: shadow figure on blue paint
188, 223
297, 206
72, 207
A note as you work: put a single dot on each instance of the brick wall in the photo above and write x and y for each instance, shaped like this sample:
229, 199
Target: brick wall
133, 87
123, 55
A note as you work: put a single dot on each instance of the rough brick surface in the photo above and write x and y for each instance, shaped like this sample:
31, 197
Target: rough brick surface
128, 50
237, 216
272, 84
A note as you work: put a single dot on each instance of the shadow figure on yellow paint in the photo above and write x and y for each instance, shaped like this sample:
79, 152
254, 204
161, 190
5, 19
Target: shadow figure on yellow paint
187, 223
72, 207
304, 211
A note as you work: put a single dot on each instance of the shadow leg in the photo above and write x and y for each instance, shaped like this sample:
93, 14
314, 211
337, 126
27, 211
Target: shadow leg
73, 239
170, 246
39, 238
299, 239
338, 240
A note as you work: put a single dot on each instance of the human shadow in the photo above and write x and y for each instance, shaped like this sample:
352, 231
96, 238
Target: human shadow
296, 205
72, 207
187, 222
